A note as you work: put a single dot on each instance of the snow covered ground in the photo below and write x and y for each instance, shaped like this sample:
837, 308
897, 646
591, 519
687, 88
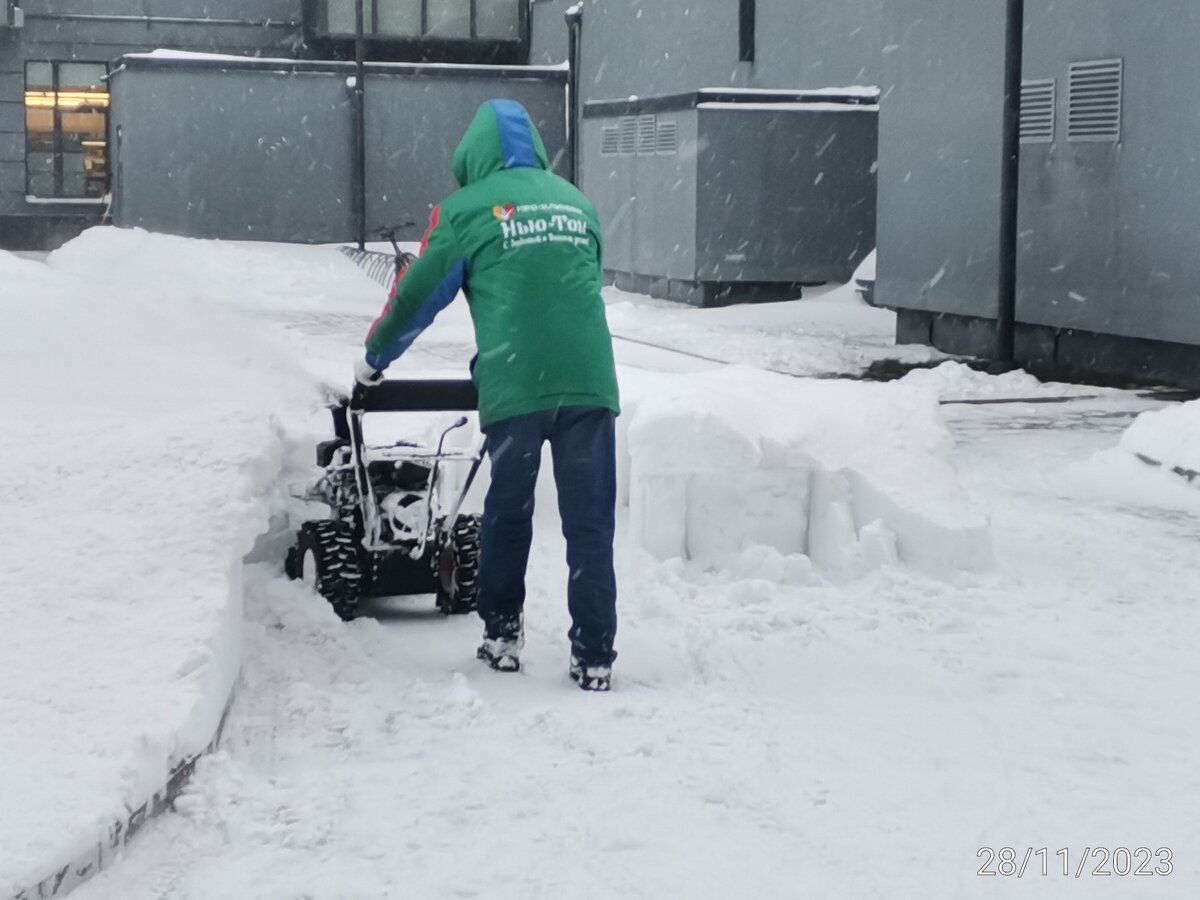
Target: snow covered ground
779, 728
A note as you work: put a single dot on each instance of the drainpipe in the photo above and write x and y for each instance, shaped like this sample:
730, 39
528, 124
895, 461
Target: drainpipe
574, 17
358, 196
1010, 175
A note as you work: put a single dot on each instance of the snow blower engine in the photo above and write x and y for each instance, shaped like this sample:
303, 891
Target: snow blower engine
394, 528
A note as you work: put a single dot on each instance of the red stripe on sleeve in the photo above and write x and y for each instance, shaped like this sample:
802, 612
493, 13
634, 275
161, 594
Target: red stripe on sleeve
434, 216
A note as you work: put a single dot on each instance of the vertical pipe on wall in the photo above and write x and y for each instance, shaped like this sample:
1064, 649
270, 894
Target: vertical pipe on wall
574, 17
746, 29
358, 197
1014, 40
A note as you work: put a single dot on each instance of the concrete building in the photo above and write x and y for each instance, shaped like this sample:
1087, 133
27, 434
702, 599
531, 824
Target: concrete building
55, 143
1108, 277
1110, 176
58, 144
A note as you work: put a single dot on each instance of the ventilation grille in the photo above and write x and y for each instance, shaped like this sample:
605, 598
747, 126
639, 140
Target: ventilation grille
640, 135
1094, 105
667, 138
1037, 111
627, 135
610, 144
647, 135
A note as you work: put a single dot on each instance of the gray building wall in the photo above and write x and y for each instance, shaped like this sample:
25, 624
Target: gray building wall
642, 48
632, 47
818, 43
548, 31
1106, 230
264, 152
939, 161
53, 30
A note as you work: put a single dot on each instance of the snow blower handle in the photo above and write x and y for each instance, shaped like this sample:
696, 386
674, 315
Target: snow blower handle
358, 396
416, 395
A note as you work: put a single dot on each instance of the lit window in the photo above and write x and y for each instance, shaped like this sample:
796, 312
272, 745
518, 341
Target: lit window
66, 130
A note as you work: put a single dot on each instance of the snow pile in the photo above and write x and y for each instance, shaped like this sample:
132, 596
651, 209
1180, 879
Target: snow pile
851, 475
956, 381
139, 454
865, 270
1154, 464
1170, 437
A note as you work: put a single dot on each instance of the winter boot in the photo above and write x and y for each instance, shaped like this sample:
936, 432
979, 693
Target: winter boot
591, 678
502, 654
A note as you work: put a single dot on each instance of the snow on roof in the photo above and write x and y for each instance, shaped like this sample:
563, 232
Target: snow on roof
849, 91
788, 107
188, 55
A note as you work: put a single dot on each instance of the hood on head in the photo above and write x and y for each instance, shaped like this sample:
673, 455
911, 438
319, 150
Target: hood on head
501, 136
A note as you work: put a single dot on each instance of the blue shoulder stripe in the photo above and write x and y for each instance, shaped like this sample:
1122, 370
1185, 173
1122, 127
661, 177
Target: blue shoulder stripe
516, 137
437, 300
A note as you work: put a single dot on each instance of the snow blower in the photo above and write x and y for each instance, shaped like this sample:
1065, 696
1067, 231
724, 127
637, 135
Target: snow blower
393, 527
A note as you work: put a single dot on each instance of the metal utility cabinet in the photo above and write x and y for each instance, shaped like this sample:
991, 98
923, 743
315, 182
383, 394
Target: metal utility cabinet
724, 195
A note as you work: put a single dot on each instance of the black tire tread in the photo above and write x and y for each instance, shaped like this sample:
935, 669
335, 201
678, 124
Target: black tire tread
463, 545
341, 574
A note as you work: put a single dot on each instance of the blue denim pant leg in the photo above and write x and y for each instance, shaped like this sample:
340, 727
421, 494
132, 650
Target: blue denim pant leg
583, 444
515, 451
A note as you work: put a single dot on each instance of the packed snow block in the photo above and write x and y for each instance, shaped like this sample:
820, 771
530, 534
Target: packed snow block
852, 475
727, 510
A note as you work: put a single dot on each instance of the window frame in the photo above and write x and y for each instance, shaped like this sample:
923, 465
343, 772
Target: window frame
419, 48
58, 145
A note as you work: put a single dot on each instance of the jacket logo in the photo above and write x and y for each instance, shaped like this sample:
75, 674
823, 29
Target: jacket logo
542, 223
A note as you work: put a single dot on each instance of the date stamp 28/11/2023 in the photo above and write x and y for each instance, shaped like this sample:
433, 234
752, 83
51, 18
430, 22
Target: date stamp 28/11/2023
1065, 862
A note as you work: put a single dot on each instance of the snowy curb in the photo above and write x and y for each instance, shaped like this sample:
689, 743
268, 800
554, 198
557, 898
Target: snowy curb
67, 876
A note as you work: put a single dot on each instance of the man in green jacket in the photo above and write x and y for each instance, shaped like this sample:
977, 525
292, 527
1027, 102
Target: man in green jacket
524, 246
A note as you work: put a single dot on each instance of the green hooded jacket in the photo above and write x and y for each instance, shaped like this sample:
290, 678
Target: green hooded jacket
524, 246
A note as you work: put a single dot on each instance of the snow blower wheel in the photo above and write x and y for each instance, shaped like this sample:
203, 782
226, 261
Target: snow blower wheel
458, 568
327, 558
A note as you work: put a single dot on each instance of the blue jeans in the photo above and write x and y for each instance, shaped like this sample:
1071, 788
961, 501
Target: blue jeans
583, 446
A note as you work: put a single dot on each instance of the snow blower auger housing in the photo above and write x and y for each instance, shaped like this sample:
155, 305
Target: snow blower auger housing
393, 527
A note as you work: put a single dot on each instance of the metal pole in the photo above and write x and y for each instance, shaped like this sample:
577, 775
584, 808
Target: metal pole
574, 17
358, 107
1010, 175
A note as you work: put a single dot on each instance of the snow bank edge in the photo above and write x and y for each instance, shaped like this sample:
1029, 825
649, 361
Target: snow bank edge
104, 850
